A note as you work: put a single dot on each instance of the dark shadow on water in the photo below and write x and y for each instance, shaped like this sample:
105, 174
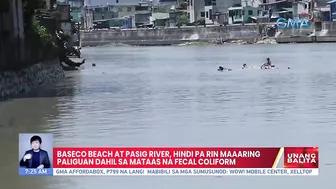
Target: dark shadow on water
29, 113
31, 110
63, 88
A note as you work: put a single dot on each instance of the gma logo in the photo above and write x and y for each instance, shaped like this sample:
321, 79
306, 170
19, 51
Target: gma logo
292, 23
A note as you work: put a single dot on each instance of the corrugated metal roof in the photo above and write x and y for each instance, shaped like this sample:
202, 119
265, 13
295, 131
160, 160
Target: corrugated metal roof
160, 16
282, 12
323, 9
235, 8
275, 2
111, 19
126, 4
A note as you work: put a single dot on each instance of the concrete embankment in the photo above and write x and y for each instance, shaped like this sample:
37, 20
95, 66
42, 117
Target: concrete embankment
13, 83
324, 32
169, 36
306, 39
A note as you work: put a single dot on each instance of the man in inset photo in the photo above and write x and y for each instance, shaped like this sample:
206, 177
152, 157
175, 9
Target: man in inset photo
35, 157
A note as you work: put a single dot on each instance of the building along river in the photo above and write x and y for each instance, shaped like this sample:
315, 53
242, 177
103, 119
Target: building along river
174, 96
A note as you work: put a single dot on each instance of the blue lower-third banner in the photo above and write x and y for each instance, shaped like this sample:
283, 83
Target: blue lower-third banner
35, 172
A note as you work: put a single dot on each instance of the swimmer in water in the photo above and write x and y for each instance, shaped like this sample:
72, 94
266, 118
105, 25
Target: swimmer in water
268, 64
220, 68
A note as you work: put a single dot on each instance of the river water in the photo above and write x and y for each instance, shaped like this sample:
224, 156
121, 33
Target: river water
173, 96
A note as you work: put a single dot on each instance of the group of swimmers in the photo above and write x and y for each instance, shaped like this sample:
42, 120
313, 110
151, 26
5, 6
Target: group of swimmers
267, 65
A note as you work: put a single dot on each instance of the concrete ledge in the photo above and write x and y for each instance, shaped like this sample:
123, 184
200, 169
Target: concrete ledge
13, 83
137, 42
169, 36
167, 42
282, 39
294, 39
156, 42
95, 43
306, 39
325, 39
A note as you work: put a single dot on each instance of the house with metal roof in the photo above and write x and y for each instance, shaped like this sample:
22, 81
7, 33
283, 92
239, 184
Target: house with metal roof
160, 19
274, 9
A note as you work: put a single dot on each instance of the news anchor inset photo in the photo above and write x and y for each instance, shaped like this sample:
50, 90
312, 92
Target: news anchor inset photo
35, 152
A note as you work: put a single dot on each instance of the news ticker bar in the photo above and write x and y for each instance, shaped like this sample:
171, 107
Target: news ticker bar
186, 158
167, 172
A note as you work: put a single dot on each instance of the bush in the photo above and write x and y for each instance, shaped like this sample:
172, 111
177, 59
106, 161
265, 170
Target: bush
44, 36
182, 20
40, 41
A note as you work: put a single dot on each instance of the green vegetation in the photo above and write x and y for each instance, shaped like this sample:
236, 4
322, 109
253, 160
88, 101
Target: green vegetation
41, 32
31, 8
39, 39
182, 20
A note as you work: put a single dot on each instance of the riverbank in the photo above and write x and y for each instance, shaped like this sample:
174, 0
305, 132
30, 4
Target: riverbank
238, 42
171, 36
306, 39
250, 33
13, 83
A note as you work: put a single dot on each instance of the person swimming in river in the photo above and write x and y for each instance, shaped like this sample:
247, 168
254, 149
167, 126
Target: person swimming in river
220, 68
268, 64
244, 66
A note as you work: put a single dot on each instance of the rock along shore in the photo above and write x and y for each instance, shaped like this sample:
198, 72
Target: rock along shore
13, 83
262, 41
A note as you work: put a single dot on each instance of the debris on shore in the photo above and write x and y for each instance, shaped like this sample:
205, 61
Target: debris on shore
267, 41
241, 42
262, 41
196, 44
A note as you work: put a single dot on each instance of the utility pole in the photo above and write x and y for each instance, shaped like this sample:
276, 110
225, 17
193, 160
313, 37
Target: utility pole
312, 14
86, 14
312, 8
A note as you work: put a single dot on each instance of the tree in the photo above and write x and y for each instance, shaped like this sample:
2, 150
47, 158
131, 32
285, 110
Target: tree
30, 9
160, 9
38, 38
182, 20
